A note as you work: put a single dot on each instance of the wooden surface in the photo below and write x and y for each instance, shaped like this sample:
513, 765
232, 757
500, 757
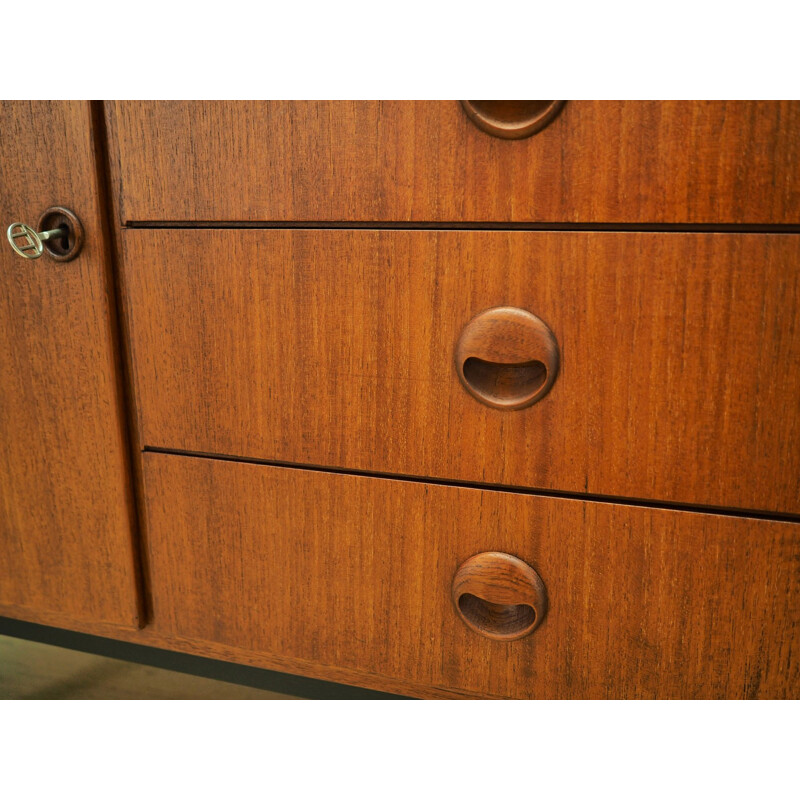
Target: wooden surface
499, 596
506, 358
66, 542
355, 573
512, 119
597, 162
680, 356
151, 637
679, 381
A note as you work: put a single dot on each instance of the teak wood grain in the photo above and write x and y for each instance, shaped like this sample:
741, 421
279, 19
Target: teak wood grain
66, 539
499, 596
506, 358
679, 376
355, 573
597, 162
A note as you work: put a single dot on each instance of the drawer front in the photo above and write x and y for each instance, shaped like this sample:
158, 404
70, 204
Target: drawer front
356, 574
623, 162
679, 369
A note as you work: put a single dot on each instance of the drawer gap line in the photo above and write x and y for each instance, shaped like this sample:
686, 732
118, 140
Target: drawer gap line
665, 505
543, 227
122, 355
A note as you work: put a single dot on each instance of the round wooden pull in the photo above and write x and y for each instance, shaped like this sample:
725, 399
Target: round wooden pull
507, 358
499, 596
512, 119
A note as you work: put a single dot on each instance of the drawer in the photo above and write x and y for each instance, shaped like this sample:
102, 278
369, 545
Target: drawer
356, 574
679, 372
596, 162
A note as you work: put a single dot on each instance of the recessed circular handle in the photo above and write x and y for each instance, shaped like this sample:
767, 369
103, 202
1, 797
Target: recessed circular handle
499, 596
507, 358
512, 119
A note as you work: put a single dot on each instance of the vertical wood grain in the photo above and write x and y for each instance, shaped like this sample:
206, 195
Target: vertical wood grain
680, 356
598, 162
66, 538
355, 573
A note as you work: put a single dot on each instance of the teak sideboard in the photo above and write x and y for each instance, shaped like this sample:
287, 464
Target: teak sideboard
443, 399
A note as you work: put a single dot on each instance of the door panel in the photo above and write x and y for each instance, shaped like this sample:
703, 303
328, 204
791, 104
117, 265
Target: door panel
66, 514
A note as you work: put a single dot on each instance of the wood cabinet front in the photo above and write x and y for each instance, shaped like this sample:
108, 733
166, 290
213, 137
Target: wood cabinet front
67, 551
355, 576
462, 370
596, 162
676, 356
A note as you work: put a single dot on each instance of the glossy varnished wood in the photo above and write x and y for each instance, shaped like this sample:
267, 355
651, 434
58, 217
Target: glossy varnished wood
499, 596
66, 541
512, 119
597, 162
680, 356
355, 573
507, 358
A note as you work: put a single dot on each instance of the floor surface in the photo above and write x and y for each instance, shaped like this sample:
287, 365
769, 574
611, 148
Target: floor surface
34, 671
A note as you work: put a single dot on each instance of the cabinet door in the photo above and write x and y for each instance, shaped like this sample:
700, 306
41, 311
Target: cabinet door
67, 553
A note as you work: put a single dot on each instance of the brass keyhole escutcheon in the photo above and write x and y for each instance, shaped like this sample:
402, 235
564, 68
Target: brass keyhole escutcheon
60, 235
